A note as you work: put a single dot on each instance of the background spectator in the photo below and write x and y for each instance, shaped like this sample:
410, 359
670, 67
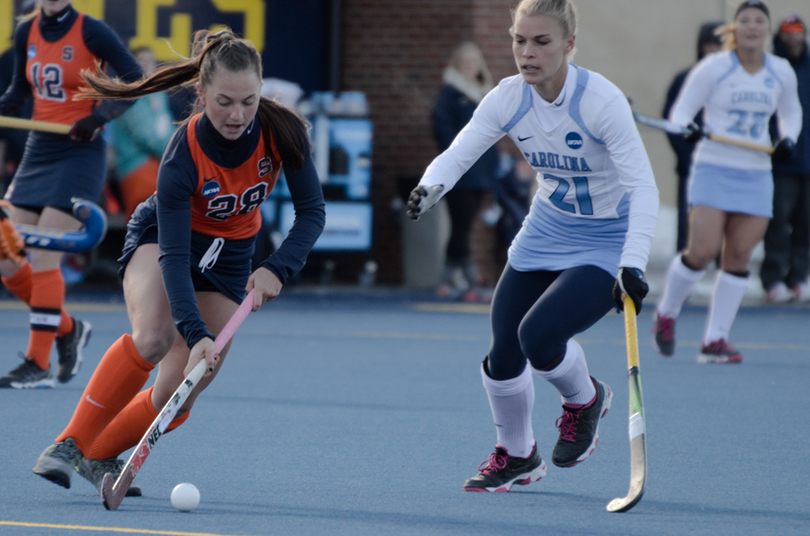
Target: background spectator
139, 138
466, 81
787, 242
708, 43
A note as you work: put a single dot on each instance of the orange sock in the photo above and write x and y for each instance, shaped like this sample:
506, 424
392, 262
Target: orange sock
118, 378
47, 297
20, 285
129, 426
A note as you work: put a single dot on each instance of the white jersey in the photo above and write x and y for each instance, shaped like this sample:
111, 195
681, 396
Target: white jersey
739, 105
597, 202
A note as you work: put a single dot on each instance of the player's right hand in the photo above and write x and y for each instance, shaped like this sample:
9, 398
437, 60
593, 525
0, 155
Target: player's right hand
422, 199
692, 133
630, 281
85, 129
202, 349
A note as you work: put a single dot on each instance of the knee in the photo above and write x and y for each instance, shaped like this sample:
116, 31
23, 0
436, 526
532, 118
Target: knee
154, 344
540, 347
698, 258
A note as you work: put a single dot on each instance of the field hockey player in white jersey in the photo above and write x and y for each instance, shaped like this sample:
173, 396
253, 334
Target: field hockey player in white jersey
585, 241
730, 188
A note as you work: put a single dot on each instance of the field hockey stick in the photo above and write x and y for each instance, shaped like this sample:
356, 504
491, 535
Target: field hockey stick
87, 212
28, 124
638, 444
113, 492
672, 128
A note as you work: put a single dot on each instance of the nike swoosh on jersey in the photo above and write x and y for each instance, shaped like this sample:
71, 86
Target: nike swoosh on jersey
210, 178
524, 139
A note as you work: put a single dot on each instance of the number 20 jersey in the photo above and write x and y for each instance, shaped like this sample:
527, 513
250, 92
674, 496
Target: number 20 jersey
54, 72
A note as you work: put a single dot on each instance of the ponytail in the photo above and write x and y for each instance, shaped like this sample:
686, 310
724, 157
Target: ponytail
211, 51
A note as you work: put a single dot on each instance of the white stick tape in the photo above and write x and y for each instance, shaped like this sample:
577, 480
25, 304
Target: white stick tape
636, 425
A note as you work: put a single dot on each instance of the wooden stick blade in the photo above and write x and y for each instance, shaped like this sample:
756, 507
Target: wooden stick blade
638, 477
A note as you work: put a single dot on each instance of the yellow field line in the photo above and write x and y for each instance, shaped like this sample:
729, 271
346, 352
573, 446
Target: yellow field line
108, 529
474, 308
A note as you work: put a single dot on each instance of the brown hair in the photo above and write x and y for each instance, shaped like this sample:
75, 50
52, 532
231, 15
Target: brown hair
211, 51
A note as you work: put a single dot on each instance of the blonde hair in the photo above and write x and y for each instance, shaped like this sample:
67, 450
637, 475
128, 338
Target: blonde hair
563, 11
483, 77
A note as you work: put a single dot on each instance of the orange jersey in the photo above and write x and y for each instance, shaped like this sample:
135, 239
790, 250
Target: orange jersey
54, 72
225, 201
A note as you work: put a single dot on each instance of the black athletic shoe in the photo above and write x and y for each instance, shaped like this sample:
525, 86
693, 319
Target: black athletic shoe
58, 462
27, 376
94, 470
579, 428
501, 471
69, 349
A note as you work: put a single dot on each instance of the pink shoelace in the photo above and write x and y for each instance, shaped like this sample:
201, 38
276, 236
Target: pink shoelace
495, 462
567, 423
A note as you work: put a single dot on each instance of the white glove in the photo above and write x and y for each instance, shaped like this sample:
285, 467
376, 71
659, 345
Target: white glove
421, 200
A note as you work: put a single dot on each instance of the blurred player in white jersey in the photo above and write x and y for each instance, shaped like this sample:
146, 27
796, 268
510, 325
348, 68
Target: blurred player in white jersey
731, 188
585, 241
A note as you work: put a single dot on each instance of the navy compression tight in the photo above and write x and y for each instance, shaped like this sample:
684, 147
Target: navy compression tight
535, 313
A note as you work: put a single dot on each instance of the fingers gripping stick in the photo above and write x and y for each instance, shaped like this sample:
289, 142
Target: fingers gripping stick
422, 199
95, 227
11, 243
113, 492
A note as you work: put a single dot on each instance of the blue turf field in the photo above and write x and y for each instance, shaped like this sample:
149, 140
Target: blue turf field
364, 414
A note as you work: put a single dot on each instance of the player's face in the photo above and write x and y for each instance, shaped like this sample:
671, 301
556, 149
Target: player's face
54, 6
540, 49
230, 101
752, 29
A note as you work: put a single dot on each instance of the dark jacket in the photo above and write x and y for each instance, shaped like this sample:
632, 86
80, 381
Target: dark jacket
683, 149
452, 111
799, 163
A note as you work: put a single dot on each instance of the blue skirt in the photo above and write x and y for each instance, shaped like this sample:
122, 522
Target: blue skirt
228, 276
732, 190
54, 169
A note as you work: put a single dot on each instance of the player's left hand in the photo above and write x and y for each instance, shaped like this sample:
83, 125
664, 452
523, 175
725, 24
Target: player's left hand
202, 349
630, 281
265, 286
85, 129
783, 150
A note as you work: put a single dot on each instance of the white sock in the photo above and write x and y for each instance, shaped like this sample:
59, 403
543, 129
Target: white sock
512, 402
728, 293
681, 280
571, 376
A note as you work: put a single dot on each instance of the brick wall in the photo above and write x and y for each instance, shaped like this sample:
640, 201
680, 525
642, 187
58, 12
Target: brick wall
395, 52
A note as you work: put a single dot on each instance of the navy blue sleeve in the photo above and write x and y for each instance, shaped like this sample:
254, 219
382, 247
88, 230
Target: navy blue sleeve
310, 217
19, 90
449, 116
103, 42
177, 180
